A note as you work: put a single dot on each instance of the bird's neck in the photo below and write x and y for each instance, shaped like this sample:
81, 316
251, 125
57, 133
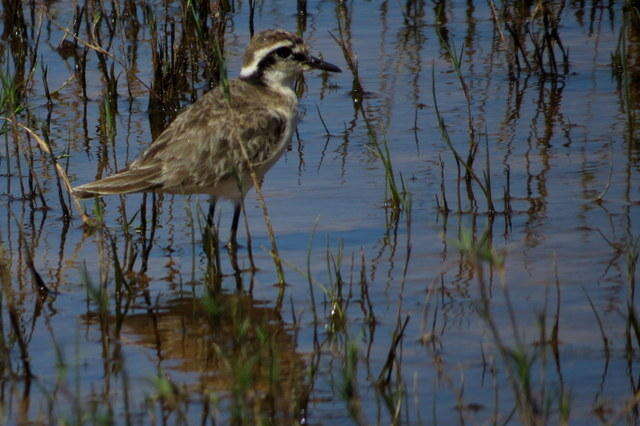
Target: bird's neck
281, 83
278, 81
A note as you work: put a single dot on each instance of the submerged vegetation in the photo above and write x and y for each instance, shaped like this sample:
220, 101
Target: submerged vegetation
452, 237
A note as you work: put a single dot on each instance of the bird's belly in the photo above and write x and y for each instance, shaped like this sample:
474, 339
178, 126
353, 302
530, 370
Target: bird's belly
230, 188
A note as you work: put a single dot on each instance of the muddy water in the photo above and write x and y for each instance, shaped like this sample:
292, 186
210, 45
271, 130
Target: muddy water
381, 318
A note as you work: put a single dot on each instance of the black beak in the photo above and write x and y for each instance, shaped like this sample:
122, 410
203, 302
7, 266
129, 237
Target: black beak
319, 64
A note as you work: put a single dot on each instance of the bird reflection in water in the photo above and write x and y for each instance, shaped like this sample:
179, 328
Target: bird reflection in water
241, 350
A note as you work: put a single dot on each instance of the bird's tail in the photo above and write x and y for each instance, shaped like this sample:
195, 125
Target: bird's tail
125, 182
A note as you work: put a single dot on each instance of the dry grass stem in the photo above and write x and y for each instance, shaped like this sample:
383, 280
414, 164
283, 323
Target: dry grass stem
59, 169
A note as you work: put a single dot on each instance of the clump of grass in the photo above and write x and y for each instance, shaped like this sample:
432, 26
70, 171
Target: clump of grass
96, 294
335, 293
11, 103
483, 183
518, 359
169, 396
533, 30
621, 69
349, 389
396, 192
61, 173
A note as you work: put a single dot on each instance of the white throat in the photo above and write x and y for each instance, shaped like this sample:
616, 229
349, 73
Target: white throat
281, 82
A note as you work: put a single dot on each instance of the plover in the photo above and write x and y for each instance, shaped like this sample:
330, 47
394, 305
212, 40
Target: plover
200, 152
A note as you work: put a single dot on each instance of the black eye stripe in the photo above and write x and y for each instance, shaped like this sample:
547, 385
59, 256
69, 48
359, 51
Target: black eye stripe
283, 52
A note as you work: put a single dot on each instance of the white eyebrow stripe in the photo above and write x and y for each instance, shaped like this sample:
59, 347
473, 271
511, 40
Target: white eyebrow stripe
259, 55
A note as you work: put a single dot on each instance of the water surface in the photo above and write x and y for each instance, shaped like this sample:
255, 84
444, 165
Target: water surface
381, 319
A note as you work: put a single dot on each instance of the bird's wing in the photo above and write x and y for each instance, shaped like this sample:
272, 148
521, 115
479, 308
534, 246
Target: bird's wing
202, 146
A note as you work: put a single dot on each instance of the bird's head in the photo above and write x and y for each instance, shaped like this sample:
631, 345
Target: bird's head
277, 57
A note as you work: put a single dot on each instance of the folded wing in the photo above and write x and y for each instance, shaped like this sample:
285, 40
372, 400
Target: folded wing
199, 150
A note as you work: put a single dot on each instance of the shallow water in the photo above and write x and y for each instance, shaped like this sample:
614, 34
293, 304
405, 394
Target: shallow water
159, 345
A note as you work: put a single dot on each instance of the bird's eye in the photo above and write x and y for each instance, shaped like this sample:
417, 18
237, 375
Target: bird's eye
284, 52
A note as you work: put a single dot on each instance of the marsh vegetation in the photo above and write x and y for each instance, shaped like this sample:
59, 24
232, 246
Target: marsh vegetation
452, 237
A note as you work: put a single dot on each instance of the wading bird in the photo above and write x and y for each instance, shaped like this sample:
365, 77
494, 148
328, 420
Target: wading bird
214, 144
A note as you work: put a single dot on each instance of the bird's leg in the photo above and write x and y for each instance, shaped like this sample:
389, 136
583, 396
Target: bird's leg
233, 257
211, 249
237, 208
212, 210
